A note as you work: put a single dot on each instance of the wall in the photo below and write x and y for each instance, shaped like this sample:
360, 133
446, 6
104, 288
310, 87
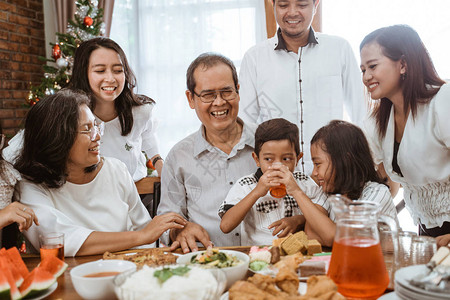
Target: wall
22, 40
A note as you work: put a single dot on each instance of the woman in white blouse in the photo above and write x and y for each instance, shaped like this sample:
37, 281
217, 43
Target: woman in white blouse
91, 199
409, 128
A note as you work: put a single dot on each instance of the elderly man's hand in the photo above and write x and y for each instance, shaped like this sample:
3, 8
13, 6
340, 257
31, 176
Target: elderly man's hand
187, 237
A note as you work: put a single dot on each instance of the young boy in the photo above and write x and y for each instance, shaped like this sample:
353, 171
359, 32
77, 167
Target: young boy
249, 201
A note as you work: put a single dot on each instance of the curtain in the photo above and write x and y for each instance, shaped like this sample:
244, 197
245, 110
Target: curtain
161, 39
63, 12
108, 7
65, 9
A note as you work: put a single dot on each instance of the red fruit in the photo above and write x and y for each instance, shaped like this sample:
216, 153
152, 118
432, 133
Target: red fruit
37, 281
53, 265
15, 258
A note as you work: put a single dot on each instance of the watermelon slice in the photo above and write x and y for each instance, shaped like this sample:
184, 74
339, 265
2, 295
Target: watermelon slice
14, 291
15, 258
5, 289
37, 281
53, 265
6, 264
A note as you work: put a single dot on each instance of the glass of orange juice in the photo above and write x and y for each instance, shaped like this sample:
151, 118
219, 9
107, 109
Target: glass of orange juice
278, 191
52, 244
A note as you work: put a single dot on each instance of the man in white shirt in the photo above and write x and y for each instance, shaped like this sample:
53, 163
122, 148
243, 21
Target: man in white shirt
200, 169
305, 77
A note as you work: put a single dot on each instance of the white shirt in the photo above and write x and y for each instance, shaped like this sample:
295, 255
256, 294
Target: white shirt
423, 157
330, 87
129, 148
378, 193
267, 209
108, 203
197, 177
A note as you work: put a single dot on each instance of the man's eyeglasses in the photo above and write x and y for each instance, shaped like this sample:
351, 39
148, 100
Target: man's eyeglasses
96, 129
210, 96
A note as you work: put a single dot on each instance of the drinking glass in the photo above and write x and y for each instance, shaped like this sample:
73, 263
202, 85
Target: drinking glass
423, 248
405, 241
52, 244
278, 191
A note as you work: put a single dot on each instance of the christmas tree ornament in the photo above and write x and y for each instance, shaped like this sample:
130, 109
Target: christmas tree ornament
47, 92
56, 52
62, 62
88, 21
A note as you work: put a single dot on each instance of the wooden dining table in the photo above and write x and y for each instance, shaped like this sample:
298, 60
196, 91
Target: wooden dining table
65, 289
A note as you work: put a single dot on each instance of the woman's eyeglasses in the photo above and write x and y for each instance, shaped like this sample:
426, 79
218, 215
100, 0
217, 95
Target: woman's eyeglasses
96, 129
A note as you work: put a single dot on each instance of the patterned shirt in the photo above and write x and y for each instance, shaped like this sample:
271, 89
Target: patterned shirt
267, 209
197, 177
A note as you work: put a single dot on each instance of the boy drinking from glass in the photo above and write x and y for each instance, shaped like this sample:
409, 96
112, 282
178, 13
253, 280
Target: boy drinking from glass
250, 201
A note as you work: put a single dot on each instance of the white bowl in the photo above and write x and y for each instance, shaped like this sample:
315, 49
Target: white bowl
232, 274
142, 286
98, 287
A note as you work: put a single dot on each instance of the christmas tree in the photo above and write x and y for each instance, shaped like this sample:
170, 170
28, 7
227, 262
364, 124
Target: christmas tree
86, 25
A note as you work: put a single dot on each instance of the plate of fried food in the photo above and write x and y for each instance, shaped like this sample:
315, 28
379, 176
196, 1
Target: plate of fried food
151, 257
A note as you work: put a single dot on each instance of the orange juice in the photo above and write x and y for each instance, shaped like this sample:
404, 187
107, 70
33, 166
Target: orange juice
278, 191
358, 269
52, 250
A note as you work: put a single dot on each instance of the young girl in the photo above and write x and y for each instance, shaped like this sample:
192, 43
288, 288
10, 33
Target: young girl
409, 129
343, 165
101, 69
12, 212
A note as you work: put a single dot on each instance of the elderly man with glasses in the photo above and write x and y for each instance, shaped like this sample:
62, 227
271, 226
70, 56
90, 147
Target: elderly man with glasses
200, 169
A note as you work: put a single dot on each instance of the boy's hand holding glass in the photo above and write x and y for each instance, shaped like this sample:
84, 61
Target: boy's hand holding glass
282, 177
264, 184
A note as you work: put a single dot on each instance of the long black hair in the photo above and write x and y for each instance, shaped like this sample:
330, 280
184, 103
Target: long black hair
126, 100
51, 127
351, 159
421, 81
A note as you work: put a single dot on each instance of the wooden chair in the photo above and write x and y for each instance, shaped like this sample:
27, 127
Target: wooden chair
150, 185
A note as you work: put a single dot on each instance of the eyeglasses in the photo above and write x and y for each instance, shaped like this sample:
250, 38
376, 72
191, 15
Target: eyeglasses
96, 129
210, 96
2, 141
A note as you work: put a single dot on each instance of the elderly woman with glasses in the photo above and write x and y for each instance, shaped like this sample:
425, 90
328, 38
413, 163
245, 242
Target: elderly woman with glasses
91, 199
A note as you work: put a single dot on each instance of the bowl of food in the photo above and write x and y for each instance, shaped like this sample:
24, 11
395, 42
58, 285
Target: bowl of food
94, 280
233, 263
170, 283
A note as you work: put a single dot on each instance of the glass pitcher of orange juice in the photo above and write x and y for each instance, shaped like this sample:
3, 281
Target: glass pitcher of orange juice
357, 265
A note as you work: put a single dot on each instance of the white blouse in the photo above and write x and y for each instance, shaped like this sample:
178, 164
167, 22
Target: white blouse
423, 158
108, 203
129, 148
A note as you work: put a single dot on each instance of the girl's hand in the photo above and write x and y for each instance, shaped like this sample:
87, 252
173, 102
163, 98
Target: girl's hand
287, 225
18, 213
159, 224
443, 240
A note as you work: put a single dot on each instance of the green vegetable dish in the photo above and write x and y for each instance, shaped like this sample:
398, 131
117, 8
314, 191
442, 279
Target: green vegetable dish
215, 259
